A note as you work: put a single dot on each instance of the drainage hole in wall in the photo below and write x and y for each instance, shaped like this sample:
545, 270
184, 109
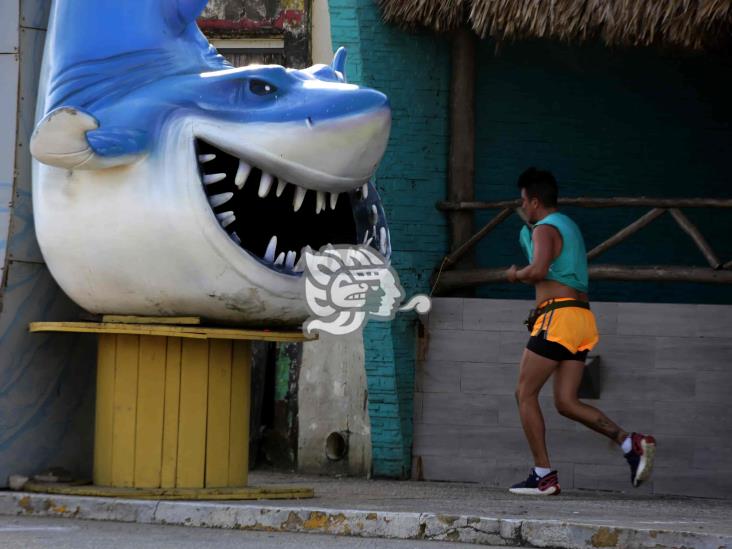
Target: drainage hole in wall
336, 446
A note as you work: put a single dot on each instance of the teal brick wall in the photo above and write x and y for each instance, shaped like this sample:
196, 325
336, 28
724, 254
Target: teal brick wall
413, 70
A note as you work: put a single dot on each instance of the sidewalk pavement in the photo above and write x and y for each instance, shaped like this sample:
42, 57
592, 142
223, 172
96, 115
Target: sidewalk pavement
425, 510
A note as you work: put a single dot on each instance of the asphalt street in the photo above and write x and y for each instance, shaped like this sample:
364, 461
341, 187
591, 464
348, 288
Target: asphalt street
42, 533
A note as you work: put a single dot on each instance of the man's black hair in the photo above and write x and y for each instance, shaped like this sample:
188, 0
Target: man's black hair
540, 184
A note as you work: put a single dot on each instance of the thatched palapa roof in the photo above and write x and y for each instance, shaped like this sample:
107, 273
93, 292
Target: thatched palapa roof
694, 24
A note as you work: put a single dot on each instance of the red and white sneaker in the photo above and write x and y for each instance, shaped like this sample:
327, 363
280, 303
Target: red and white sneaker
538, 486
640, 458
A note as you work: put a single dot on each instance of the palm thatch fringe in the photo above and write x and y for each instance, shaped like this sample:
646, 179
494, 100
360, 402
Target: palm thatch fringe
440, 16
694, 24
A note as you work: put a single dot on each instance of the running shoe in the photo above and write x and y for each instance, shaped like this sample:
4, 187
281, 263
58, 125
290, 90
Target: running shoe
538, 486
640, 458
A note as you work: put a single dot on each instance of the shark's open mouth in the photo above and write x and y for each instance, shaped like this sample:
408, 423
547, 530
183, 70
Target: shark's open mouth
275, 221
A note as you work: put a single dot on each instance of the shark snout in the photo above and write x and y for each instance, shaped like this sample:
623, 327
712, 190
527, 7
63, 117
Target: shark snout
353, 144
350, 130
359, 101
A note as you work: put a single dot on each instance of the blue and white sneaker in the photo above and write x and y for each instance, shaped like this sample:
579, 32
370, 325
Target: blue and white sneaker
538, 486
640, 458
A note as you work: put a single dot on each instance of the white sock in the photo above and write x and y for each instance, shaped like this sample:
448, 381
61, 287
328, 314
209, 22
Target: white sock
627, 444
542, 471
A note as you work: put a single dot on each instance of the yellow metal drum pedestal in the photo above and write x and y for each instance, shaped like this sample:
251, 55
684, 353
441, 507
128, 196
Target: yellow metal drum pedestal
172, 412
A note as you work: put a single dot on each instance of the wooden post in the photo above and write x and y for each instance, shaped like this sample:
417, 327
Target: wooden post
586, 202
690, 229
623, 234
465, 248
462, 139
452, 280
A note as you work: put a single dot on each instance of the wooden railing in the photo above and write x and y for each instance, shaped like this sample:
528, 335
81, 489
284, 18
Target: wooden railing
718, 272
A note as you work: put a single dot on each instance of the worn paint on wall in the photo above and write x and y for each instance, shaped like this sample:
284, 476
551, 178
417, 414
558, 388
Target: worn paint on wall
332, 399
281, 439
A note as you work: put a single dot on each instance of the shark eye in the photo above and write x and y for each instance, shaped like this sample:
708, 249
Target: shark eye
260, 87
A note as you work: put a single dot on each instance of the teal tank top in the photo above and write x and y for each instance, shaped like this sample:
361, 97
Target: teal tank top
570, 268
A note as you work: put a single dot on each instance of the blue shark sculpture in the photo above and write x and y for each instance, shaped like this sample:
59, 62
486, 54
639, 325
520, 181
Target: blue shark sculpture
167, 182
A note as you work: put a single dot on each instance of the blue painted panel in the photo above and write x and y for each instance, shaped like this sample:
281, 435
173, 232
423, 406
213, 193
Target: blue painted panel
46, 380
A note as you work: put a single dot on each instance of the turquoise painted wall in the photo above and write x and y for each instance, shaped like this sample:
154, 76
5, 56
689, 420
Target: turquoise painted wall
413, 70
609, 122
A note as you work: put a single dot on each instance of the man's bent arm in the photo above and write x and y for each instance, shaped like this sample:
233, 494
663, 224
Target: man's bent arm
543, 239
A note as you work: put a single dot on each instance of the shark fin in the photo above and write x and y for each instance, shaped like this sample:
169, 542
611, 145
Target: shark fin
181, 13
70, 138
339, 63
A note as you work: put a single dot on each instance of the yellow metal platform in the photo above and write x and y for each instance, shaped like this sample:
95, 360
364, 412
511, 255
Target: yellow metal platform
172, 411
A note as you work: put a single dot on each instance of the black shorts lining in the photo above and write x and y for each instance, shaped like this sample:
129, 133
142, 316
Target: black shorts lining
553, 350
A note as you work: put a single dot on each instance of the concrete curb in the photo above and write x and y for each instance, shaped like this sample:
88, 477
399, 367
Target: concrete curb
369, 524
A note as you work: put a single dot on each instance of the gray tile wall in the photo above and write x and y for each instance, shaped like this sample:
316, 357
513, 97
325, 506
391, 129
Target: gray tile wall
666, 370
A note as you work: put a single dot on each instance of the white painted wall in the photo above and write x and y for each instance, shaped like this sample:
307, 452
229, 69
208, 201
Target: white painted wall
332, 397
322, 45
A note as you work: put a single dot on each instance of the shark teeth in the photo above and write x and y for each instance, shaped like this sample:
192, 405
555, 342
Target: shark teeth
219, 199
265, 184
280, 188
213, 178
382, 240
242, 173
290, 259
269, 253
300, 265
224, 177
298, 198
226, 218
374, 216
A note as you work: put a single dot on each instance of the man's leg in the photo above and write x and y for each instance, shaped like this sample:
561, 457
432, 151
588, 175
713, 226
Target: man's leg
639, 449
566, 383
533, 373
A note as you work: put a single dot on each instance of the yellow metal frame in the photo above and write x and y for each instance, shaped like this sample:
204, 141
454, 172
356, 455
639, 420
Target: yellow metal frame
172, 411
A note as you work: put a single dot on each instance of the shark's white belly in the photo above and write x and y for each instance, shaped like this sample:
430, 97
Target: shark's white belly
141, 239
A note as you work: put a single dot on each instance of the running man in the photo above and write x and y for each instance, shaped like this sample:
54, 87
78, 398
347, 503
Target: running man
562, 331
